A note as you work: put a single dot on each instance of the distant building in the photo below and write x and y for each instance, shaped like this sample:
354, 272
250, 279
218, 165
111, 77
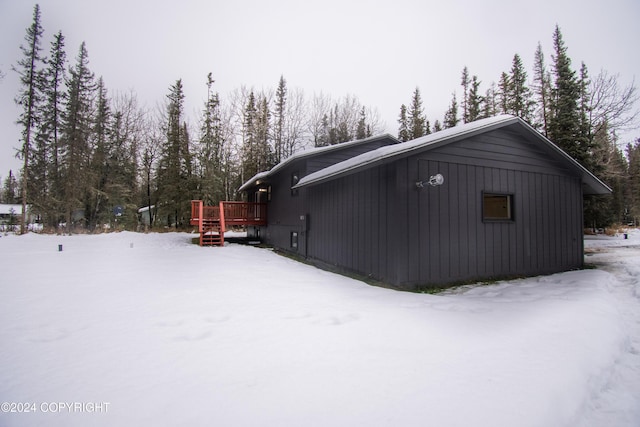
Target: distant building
144, 215
11, 216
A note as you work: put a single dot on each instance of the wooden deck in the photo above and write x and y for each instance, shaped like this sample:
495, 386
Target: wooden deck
212, 221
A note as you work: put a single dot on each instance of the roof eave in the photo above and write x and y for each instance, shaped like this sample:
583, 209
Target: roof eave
254, 181
411, 147
592, 185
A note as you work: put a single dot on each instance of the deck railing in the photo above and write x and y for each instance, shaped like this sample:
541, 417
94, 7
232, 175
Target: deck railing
244, 213
234, 213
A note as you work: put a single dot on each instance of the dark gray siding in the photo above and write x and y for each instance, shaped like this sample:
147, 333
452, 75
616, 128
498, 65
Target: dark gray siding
452, 243
348, 224
287, 212
378, 224
284, 210
504, 148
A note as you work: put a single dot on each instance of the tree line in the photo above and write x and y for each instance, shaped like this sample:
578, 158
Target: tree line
582, 115
91, 158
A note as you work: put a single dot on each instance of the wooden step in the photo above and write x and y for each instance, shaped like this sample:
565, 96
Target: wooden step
211, 242
212, 233
212, 237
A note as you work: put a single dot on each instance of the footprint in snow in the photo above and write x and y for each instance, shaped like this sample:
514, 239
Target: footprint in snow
217, 319
169, 324
50, 335
339, 320
295, 316
193, 336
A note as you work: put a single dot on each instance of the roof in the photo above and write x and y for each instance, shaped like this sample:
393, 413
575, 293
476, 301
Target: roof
593, 185
310, 152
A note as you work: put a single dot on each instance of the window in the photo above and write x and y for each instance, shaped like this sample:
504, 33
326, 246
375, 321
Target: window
295, 178
497, 207
294, 240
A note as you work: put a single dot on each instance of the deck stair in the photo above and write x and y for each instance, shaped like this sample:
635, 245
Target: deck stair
212, 221
211, 234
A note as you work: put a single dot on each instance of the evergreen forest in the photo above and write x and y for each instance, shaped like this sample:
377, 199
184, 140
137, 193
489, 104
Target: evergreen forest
90, 159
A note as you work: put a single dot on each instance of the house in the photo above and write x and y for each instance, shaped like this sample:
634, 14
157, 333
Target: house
144, 215
11, 217
284, 204
488, 199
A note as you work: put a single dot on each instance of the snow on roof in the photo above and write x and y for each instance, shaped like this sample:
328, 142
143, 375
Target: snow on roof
309, 152
382, 153
437, 139
254, 180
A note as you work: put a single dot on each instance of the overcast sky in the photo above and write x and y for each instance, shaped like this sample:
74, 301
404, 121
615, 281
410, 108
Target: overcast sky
377, 50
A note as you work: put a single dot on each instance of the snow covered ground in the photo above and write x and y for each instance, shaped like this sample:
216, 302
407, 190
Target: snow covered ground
131, 329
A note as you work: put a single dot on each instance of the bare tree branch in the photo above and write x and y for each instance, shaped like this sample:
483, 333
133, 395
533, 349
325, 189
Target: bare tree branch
613, 104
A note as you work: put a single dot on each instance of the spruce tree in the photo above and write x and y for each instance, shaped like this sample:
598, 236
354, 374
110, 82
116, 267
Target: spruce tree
174, 161
99, 171
122, 150
504, 93
10, 189
564, 120
465, 82
28, 99
280, 118
475, 101
610, 165
416, 120
633, 182
490, 101
76, 132
264, 152
49, 133
322, 138
585, 126
519, 102
403, 128
189, 179
333, 126
343, 133
211, 148
451, 116
250, 165
361, 131
343, 121
541, 92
